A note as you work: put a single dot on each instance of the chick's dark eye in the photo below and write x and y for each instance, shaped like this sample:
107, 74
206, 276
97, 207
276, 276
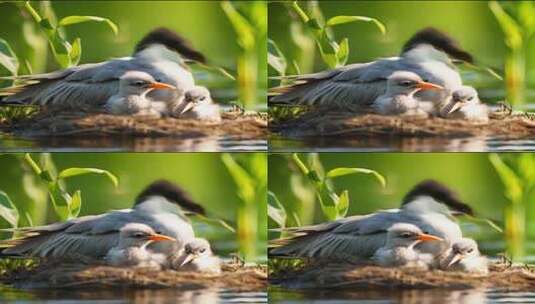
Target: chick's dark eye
470, 98
470, 250
139, 235
406, 235
139, 83
406, 83
203, 250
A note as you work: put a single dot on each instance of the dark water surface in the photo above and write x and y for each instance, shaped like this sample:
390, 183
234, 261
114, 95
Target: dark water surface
407, 296
129, 144
152, 296
415, 144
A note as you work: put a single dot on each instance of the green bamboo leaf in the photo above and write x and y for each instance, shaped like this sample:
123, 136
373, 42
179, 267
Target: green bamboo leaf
75, 204
76, 51
8, 58
242, 179
343, 204
348, 19
511, 29
346, 171
80, 19
8, 210
512, 182
276, 58
213, 221
343, 52
276, 210
243, 29
82, 171
484, 221
526, 15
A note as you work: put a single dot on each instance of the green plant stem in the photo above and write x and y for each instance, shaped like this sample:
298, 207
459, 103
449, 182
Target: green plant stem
514, 214
32, 12
300, 12
32, 164
515, 71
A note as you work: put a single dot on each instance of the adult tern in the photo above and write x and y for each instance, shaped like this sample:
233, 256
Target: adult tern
465, 104
132, 248
399, 96
428, 53
425, 206
132, 97
161, 54
197, 256
162, 206
464, 256
399, 249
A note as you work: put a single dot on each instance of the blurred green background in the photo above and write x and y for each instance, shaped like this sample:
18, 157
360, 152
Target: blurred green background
470, 22
203, 175
471, 175
204, 23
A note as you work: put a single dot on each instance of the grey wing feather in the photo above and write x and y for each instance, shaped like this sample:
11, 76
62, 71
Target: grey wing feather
91, 236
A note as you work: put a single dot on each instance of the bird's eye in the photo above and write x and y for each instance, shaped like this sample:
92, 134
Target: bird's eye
470, 250
406, 235
470, 98
406, 83
139, 83
203, 250
139, 235
202, 99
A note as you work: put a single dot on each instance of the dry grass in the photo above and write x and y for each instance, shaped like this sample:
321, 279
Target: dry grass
236, 125
346, 124
502, 276
234, 277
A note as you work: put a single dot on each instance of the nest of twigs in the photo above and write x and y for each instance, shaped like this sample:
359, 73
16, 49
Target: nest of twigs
502, 276
341, 124
235, 124
234, 276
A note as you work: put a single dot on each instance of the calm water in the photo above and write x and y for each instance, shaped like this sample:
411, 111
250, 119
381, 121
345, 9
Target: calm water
152, 296
412, 296
126, 144
471, 144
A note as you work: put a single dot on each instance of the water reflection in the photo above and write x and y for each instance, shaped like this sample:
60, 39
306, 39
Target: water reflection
411, 296
126, 143
408, 144
143, 296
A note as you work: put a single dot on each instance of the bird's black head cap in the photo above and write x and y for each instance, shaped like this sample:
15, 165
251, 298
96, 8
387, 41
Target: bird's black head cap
440, 193
172, 41
439, 40
172, 193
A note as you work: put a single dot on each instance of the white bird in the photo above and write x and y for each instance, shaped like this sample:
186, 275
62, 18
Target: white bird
87, 87
198, 256
399, 96
360, 236
425, 54
132, 97
132, 248
465, 104
198, 104
399, 249
161, 206
464, 256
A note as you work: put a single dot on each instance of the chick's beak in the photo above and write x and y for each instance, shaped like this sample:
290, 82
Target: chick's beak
456, 258
160, 237
428, 237
188, 107
188, 258
161, 85
428, 86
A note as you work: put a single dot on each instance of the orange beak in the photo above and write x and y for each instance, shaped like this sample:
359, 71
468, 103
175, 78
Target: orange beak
161, 237
428, 86
428, 237
161, 85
